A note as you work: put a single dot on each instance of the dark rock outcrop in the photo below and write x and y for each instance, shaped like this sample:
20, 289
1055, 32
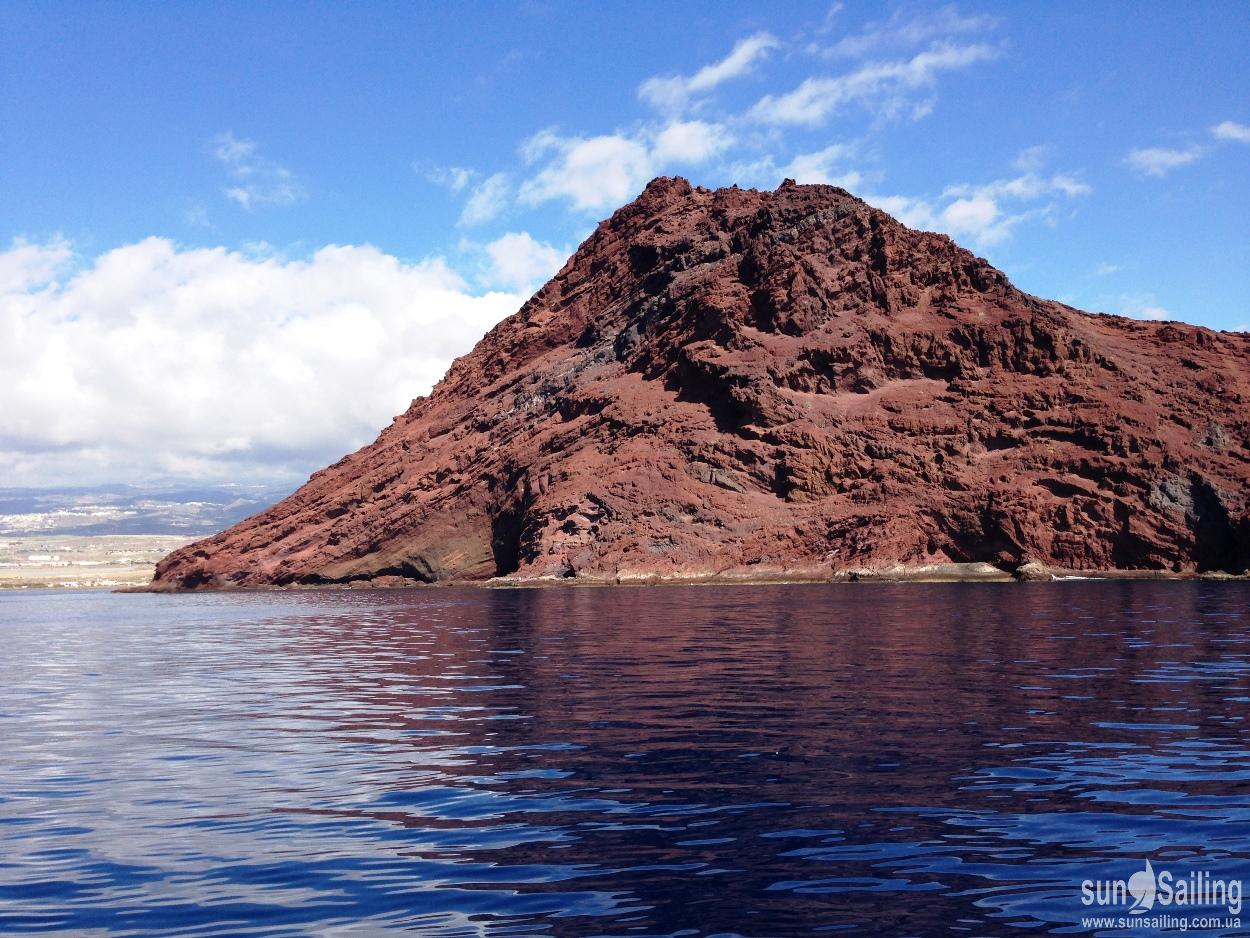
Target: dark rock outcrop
744, 383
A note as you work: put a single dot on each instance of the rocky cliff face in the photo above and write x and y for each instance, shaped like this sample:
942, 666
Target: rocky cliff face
744, 383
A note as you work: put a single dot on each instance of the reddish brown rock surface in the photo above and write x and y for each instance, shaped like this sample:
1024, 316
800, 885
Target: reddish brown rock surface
745, 383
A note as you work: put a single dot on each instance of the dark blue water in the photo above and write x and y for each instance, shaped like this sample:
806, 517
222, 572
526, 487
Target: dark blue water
861, 759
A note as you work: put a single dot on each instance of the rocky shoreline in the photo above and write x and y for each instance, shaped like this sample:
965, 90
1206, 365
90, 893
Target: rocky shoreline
930, 573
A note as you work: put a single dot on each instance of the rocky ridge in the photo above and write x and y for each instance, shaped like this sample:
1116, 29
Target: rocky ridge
789, 384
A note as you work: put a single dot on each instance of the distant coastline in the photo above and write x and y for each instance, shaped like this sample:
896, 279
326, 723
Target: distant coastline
109, 561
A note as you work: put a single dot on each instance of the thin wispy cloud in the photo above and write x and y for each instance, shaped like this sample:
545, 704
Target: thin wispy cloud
672, 93
1159, 161
1141, 306
487, 201
906, 27
452, 178
827, 97
827, 166
592, 173
988, 213
256, 181
888, 87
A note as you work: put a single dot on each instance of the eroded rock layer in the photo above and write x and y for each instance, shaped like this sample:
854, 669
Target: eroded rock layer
744, 383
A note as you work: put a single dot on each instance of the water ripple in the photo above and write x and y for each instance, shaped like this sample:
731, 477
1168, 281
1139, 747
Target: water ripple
672, 761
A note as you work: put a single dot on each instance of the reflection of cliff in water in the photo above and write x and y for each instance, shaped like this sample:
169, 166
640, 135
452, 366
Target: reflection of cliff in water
704, 754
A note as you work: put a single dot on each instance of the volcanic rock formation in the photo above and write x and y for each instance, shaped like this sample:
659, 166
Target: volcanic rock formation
737, 383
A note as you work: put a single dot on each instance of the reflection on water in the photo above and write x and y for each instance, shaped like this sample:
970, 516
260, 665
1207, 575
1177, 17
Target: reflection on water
872, 759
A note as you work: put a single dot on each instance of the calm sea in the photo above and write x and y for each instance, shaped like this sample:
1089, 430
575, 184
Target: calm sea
764, 761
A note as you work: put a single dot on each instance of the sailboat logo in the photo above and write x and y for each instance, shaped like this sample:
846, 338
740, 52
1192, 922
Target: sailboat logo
1141, 886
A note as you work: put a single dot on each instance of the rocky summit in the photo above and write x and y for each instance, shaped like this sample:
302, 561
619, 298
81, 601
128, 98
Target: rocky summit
736, 384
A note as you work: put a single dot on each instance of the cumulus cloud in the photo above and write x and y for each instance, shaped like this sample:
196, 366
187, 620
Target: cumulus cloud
520, 262
27, 265
590, 172
1231, 130
975, 216
1158, 161
154, 360
672, 93
689, 142
255, 180
886, 87
596, 173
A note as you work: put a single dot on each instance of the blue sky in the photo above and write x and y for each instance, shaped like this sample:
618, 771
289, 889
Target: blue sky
325, 202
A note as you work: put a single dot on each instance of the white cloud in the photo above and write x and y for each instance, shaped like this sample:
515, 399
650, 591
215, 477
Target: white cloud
884, 86
913, 212
1157, 161
1231, 130
153, 360
689, 142
1026, 186
974, 215
978, 211
452, 178
671, 93
1031, 159
1142, 306
597, 173
818, 167
520, 262
986, 214
233, 151
1105, 269
26, 265
904, 29
821, 166
197, 215
488, 199
257, 181
591, 172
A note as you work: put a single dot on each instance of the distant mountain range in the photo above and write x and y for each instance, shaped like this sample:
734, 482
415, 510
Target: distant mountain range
131, 509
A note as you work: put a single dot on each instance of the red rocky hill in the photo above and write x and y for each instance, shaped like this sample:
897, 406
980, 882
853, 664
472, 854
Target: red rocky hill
738, 383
